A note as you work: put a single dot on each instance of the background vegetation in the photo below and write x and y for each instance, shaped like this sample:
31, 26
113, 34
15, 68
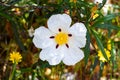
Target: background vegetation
19, 18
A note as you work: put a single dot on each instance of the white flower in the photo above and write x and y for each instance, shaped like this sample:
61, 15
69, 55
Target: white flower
60, 42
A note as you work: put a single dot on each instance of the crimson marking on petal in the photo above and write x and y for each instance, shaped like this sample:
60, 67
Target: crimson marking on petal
67, 45
57, 46
59, 30
52, 37
69, 35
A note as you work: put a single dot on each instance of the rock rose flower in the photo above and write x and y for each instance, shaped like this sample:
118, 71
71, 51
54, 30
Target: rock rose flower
60, 42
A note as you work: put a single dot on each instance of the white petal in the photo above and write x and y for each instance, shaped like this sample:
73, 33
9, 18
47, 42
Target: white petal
54, 60
46, 53
78, 29
72, 56
59, 21
52, 55
79, 41
42, 38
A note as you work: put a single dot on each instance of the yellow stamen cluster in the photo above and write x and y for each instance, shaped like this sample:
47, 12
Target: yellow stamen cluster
61, 38
102, 58
15, 57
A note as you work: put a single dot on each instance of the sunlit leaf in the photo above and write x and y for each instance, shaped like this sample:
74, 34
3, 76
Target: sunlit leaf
107, 26
99, 43
105, 19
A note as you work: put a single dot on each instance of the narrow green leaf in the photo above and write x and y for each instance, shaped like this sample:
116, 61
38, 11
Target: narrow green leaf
15, 32
113, 56
16, 35
96, 62
105, 18
5, 15
104, 1
12, 2
102, 4
87, 49
101, 68
24, 70
107, 26
112, 52
99, 43
42, 64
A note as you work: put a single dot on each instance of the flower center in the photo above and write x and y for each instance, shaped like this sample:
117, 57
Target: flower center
61, 38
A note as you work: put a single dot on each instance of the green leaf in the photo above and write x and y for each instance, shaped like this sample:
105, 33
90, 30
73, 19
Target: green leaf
15, 31
102, 4
96, 62
24, 70
107, 26
5, 15
105, 18
16, 35
99, 43
42, 64
104, 1
12, 2
87, 48
101, 68
113, 55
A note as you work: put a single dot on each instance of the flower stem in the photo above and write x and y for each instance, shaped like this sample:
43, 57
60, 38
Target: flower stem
13, 72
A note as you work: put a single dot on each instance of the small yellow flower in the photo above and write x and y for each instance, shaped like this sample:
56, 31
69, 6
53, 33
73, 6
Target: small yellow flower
102, 58
109, 45
95, 16
15, 57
